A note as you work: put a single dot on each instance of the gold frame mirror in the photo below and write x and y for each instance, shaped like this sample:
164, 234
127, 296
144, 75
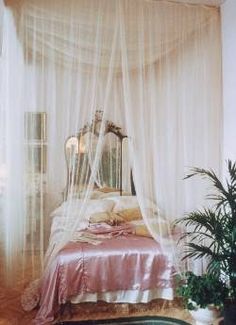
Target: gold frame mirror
77, 157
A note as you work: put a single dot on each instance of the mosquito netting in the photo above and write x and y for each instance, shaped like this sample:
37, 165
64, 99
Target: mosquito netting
153, 68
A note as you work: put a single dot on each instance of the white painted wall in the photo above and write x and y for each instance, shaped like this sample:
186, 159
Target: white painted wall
228, 14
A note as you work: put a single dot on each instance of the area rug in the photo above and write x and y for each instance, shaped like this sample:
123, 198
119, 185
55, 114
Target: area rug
147, 320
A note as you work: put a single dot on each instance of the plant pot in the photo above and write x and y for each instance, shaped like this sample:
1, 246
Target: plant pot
230, 312
205, 316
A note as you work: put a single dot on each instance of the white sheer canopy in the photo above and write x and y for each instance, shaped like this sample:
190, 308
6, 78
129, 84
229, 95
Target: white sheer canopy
153, 67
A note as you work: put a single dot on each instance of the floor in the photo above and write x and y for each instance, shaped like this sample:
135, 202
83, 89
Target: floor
11, 312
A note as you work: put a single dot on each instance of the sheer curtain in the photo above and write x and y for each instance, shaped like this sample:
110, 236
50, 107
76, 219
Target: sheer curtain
154, 69
12, 146
177, 101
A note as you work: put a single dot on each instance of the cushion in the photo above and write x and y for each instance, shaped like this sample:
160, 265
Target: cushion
131, 214
95, 194
160, 227
142, 230
124, 202
72, 207
108, 195
108, 189
108, 217
128, 202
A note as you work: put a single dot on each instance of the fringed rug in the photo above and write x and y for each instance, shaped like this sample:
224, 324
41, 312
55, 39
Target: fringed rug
147, 320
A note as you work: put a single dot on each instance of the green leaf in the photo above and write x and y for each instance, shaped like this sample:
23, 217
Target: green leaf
211, 233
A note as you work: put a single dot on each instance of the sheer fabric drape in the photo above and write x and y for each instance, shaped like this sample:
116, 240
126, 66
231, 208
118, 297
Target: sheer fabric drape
154, 69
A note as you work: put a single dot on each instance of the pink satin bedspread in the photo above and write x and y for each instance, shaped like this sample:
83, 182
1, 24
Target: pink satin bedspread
120, 263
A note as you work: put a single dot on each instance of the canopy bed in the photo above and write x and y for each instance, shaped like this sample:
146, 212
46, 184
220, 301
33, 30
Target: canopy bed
149, 65
111, 256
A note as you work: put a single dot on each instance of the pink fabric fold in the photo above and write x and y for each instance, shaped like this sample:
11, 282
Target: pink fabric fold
113, 231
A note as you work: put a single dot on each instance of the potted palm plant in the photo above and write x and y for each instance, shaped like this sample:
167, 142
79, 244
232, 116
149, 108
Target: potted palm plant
213, 234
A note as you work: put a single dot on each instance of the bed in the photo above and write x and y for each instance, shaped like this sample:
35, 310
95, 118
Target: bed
111, 256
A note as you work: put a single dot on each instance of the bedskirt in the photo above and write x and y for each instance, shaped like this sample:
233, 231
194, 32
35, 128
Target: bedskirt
125, 296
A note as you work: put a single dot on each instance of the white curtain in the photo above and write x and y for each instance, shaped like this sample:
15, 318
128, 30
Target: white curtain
12, 156
153, 67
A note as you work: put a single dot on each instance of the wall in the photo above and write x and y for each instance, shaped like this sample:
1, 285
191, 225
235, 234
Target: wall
228, 12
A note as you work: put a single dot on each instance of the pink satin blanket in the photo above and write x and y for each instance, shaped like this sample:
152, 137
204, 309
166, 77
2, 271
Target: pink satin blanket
118, 263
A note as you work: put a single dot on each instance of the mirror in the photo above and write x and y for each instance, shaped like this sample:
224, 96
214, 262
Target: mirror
72, 146
127, 178
80, 151
110, 164
71, 153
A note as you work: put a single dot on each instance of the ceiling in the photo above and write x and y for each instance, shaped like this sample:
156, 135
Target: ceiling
202, 2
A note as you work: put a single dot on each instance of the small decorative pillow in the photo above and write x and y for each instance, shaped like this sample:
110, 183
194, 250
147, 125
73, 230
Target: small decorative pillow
110, 218
124, 202
131, 214
160, 227
96, 195
142, 230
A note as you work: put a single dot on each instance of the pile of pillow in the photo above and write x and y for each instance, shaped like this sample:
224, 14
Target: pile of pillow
114, 210
126, 209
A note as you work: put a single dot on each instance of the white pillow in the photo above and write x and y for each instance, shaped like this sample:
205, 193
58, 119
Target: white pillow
124, 202
108, 195
72, 207
95, 194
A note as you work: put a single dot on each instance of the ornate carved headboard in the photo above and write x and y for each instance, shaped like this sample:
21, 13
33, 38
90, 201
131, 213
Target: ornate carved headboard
110, 171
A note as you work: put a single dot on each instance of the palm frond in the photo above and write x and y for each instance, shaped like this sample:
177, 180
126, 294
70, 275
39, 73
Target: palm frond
208, 174
227, 195
199, 251
211, 233
206, 220
214, 267
232, 171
